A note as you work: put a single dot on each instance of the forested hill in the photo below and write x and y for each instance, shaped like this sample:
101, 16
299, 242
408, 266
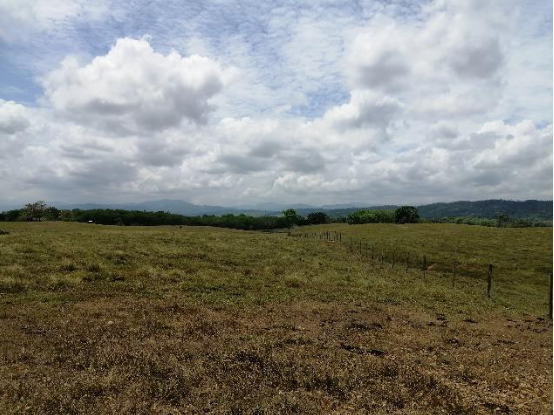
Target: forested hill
528, 209
535, 209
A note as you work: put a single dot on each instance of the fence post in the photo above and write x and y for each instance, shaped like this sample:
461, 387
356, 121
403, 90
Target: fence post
550, 297
424, 265
489, 281
393, 258
360, 247
407, 261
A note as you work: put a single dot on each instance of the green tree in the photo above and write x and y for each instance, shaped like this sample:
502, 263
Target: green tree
35, 211
502, 220
66, 215
370, 216
406, 214
316, 218
291, 217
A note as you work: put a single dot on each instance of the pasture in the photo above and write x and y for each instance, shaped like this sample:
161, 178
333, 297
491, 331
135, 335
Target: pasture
106, 319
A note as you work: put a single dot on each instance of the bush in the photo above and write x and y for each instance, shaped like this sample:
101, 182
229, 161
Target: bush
317, 218
370, 216
406, 214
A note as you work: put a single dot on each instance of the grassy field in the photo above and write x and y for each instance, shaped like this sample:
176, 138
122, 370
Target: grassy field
521, 258
101, 319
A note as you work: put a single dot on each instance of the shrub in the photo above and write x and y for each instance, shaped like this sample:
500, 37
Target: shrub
406, 214
316, 218
371, 216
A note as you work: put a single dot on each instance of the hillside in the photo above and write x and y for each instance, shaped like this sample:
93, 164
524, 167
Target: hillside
535, 209
529, 209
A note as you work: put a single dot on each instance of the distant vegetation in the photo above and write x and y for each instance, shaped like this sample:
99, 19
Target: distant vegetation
528, 209
535, 210
38, 211
501, 221
370, 216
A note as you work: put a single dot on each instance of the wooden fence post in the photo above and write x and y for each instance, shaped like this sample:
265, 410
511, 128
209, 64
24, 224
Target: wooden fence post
489, 281
407, 261
550, 297
393, 258
424, 265
360, 247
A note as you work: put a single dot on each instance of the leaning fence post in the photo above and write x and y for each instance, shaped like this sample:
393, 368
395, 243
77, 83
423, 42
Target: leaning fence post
550, 297
489, 281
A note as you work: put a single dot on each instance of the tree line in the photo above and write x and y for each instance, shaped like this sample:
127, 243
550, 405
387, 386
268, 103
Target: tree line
288, 218
39, 211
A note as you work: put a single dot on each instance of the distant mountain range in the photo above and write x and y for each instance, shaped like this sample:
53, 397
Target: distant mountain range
531, 209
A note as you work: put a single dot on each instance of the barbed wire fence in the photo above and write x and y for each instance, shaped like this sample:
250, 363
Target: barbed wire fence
406, 260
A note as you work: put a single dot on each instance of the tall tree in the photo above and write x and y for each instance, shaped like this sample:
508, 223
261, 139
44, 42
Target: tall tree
35, 211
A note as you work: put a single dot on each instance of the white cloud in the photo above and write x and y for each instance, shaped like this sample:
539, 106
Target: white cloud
365, 109
22, 18
328, 104
13, 117
134, 90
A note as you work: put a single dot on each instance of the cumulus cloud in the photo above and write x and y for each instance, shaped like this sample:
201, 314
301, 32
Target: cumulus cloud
13, 117
445, 65
362, 104
134, 90
380, 59
365, 109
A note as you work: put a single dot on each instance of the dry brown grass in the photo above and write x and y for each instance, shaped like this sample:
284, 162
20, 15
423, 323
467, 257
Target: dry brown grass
153, 356
114, 320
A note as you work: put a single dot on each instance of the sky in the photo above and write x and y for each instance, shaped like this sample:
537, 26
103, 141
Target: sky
244, 102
